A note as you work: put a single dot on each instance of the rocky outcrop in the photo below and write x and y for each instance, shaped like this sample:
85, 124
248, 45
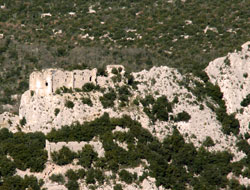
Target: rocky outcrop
232, 74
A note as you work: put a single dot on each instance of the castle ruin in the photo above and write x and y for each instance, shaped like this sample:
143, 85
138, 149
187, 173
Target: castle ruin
47, 81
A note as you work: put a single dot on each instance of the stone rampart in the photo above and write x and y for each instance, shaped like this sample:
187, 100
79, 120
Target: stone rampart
48, 81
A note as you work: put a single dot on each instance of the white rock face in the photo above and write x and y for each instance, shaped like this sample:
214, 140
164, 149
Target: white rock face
232, 74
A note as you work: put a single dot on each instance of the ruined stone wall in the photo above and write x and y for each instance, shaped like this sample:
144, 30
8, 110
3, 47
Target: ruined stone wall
82, 77
48, 81
102, 81
61, 78
41, 82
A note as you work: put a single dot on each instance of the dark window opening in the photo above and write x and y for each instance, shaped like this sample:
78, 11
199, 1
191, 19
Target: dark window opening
46, 83
90, 78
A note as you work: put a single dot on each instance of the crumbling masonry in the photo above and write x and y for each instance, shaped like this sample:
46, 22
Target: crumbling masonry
49, 80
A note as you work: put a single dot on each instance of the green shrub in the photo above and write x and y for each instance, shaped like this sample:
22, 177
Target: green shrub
245, 75
126, 176
58, 91
114, 71
18, 183
161, 108
87, 156
23, 121
63, 156
149, 99
131, 80
7, 167
201, 107
136, 102
87, 101
72, 175
58, 178
175, 100
81, 173
94, 175
229, 123
69, 104
124, 94
117, 78
247, 135
246, 101
208, 142
72, 185
27, 151
108, 99
61, 51
88, 87
118, 187
57, 110
227, 61
183, 116
64, 89
90, 176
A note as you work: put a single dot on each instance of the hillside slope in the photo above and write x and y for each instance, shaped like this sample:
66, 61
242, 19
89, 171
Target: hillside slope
155, 129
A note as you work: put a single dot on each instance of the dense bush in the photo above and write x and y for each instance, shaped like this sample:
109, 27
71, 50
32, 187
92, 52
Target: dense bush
7, 167
93, 176
157, 109
58, 178
23, 121
108, 99
88, 87
246, 101
64, 89
161, 108
19, 183
63, 156
27, 150
72, 185
114, 71
87, 101
126, 176
124, 93
57, 110
118, 187
85, 132
183, 116
208, 142
69, 104
72, 175
87, 156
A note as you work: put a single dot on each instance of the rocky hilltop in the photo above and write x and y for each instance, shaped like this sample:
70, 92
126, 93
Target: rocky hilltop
209, 115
